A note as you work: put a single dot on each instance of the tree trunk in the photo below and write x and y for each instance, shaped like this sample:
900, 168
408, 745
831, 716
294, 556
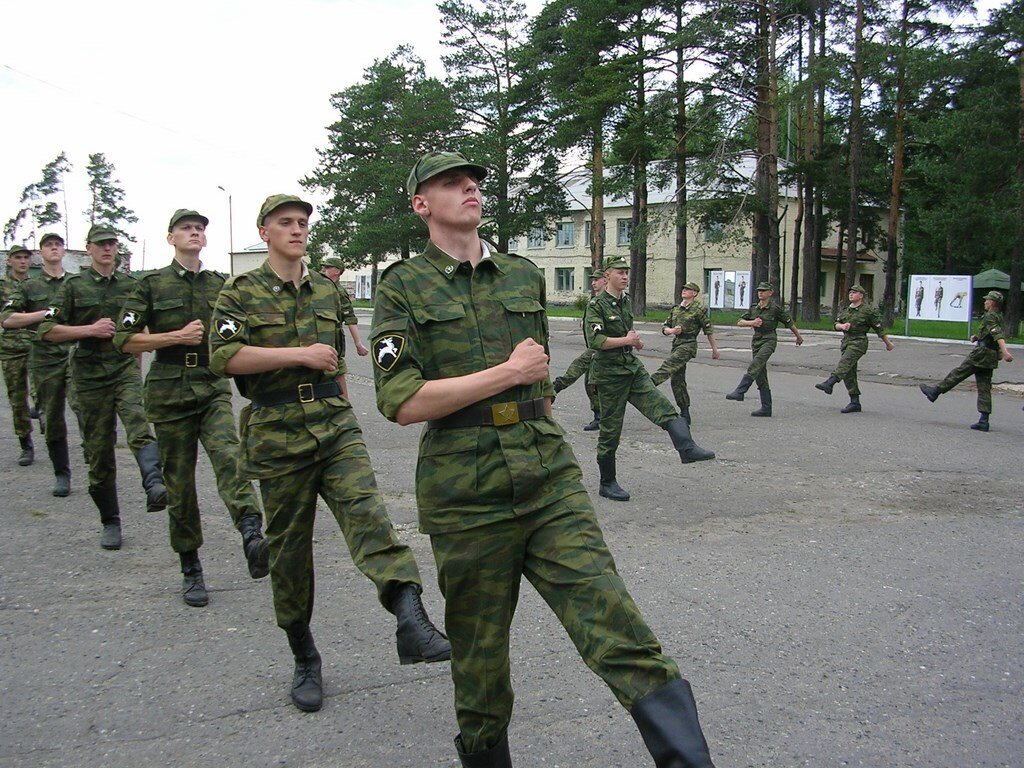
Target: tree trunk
811, 309
855, 139
597, 200
763, 214
638, 243
772, 164
794, 278
680, 157
1013, 300
839, 257
892, 234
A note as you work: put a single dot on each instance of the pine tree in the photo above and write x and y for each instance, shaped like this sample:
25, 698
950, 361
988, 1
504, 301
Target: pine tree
107, 205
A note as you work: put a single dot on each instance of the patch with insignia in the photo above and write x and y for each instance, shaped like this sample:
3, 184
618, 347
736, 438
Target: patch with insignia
50, 312
387, 350
130, 318
9, 303
597, 327
227, 329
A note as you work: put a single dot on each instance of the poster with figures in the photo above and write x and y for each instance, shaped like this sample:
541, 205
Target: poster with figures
716, 289
742, 298
939, 297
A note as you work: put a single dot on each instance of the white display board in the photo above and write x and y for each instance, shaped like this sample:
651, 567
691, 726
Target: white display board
743, 293
939, 297
716, 289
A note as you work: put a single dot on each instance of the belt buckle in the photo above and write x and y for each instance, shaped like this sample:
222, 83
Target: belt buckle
191, 359
306, 394
504, 414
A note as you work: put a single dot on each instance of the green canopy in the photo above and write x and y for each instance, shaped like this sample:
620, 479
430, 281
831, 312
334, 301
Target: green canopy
993, 278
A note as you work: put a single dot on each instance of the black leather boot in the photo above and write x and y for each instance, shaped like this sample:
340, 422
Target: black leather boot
853, 406
148, 459
193, 589
58, 451
418, 638
827, 385
932, 393
683, 442
495, 757
982, 424
105, 498
257, 555
667, 719
684, 413
307, 683
741, 388
595, 424
609, 488
766, 403
28, 451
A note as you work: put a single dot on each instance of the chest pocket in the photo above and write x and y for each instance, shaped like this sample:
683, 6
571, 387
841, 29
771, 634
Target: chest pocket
444, 338
525, 317
169, 314
326, 325
268, 329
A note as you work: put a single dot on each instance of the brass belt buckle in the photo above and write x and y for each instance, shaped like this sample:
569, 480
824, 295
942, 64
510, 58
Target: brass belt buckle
306, 393
504, 414
191, 359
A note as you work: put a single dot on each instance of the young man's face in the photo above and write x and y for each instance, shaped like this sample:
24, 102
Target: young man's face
19, 264
856, 297
52, 251
103, 254
618, 279
286, 231
188, 236
598, 284
688, 294
764, 296
450, 200
331, 273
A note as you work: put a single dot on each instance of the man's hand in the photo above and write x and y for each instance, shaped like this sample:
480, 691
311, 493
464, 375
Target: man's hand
676, 331
1008, 357
757, 322
714, 354
529, 361
102, 328
191, 334
362, 350
320, 357
799, 340
889, 346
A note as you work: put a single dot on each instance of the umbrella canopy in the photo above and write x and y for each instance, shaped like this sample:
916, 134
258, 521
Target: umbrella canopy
992, 278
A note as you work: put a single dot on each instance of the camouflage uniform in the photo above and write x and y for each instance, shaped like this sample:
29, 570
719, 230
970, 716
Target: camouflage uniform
855, 342
501, 502
186, 403
765, 339
348, 315
580, 367
693, 319
981, 361
14, 349
298, 450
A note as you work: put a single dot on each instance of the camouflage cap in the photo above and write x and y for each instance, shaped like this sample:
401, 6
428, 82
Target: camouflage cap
856, 287
51, 236
433, 163
186, 213
274, 202
995, 296
692, 286
617, 262
100, 233
16, 249
764, 286
597, 275
333, 261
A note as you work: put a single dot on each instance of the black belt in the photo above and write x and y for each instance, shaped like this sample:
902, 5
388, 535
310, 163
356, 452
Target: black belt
686, 338
856, 336
497, 415
303, 393
96, 344
182, 356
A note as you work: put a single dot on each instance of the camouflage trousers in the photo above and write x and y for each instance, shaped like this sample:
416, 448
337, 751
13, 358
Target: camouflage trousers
580, 367
982, 377
121, 398
562, 552
52, 394
674, 368
850, 352
763, 348
345, 481
178, 443
633, 386
16, 380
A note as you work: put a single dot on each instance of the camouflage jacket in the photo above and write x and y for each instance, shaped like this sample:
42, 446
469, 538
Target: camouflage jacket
348, 312
258, 308
438, 318
986, 353
861, 319
83, 299
772, 316
607, 317
34, 294
14, 342
693, 319
168, 299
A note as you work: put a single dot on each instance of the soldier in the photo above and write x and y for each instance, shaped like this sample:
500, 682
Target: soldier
14, 346
764, 317
581, 366
47, 363
168, 312
459, 340
277, 331
855, 321
982, 361
331, 268
106, 383
620, 378
684, 323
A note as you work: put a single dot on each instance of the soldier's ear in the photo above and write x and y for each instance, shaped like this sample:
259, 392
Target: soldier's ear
419, 206
169, 238
263, 234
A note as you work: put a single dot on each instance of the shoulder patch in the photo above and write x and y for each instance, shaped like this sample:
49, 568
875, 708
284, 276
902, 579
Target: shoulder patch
387, 350
129, 320
228, 328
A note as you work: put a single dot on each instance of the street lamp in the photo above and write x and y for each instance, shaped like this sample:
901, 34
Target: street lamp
231, 230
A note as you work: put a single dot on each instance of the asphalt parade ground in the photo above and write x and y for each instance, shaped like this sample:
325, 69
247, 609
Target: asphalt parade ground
841, 590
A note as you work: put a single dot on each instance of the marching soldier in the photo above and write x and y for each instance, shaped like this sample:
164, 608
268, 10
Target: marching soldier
276, 329
107, 384
764, 317
459, 341
581, 367
982, 361
14, 346
331, 268
168, 312
684, 322
855, 321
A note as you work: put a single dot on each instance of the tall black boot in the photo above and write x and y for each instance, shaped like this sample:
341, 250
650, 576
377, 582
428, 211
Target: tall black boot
105, 498
982, 424
257, 555
932, 393
827, 385
148, 459
495, 757
609, 488
28, 451
683, 442
418, 638
193, 589
853, 406
595, 424
766, 403
307, 683
667, 719
684, 413
58, 451
741, 388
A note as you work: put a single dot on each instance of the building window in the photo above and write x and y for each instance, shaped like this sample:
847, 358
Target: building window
565, 234
513, 244
623, 231
536, 238
565, 279
588, 230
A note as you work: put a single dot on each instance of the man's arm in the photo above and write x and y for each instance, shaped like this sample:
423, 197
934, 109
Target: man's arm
17, 320
189, 336
361, 349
